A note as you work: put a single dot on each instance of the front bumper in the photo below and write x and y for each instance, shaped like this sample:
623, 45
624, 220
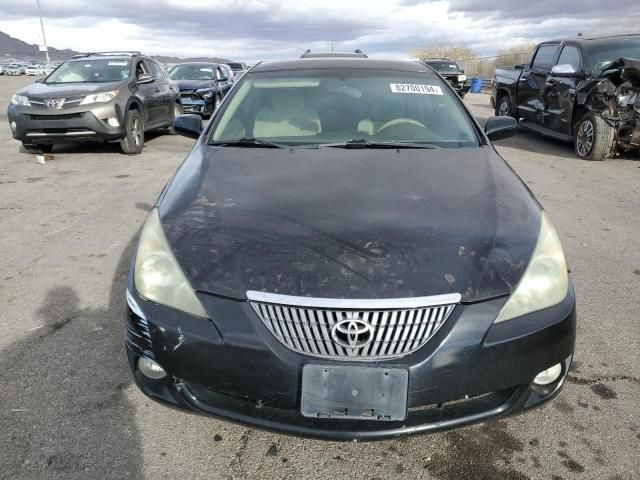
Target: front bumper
44, 126
193, 103
233, 368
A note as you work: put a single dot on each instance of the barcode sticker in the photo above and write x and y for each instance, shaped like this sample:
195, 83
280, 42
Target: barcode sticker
415, 88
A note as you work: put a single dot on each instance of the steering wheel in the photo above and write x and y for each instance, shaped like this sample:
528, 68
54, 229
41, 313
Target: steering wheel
401, 121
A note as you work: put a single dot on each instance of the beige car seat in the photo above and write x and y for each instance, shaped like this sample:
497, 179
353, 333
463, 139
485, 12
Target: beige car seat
287, 117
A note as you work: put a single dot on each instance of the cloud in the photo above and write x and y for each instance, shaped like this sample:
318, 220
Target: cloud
252, 30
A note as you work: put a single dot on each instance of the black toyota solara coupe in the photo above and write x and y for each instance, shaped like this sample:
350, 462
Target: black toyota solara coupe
344, 255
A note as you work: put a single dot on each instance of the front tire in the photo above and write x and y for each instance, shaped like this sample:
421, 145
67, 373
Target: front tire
594, 138
133, 142
504, 108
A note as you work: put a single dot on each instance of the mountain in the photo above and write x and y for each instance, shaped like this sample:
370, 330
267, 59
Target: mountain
15, 49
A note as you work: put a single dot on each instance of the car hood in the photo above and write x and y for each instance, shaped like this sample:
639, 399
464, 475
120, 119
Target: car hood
195, 84
42, 90
336, 223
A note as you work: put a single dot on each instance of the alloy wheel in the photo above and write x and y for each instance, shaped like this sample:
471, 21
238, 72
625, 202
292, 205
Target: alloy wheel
584, 140
503, 109
136, 131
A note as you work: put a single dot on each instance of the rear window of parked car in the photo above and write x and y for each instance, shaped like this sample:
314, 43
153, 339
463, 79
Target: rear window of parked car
330, 106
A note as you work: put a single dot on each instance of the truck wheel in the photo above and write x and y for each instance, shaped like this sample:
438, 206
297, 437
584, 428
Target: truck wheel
504, 107
133, 142
594, 138
177, 111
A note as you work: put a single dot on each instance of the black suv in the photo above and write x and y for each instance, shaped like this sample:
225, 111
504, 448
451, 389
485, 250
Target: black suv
108, 96
202, 85
451, 72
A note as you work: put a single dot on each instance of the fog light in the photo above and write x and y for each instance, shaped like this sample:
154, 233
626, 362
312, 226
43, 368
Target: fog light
151, 369
113, 122
13, 126
549, 375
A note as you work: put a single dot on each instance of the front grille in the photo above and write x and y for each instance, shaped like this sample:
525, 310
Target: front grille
357, 329
63, 103
64, 116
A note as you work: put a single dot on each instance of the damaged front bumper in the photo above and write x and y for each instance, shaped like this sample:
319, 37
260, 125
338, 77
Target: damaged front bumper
233, 368
616, 99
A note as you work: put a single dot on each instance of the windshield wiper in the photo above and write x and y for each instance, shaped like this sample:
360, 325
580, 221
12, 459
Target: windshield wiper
362, 143
248, 142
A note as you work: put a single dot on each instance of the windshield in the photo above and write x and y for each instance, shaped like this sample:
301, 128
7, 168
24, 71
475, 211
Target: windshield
602, 55
236, 67
91, 71
314, 107
191, 72
444, 66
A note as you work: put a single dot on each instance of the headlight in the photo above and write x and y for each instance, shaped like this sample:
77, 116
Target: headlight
545, 281
157, 276
20, 100
462, 78
102, 97
205, 93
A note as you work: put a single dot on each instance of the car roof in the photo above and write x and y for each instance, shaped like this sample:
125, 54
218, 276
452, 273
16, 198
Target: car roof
591, 40
343, 63
211, 64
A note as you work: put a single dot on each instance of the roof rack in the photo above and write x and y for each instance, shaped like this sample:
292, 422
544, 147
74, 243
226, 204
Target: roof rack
124, 53
356, 54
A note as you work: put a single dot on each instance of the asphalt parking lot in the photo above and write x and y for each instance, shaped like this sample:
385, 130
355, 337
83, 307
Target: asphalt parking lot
69, 409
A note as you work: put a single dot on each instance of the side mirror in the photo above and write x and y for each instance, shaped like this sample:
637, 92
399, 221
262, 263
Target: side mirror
223, 79
565, 70
499, 128
145, 78
189, 125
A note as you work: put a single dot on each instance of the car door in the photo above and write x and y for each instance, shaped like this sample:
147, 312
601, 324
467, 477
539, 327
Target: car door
146, 91
165, 99
532, 83
560, 93
160, 93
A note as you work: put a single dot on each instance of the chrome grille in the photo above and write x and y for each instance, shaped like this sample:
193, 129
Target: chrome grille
332, 327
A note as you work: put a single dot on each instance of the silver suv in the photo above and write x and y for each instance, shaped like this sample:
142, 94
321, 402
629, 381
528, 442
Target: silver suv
105, 97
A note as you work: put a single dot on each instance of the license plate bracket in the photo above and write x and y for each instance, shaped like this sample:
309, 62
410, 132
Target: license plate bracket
354, 393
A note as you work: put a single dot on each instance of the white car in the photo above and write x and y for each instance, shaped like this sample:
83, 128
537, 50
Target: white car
34, 70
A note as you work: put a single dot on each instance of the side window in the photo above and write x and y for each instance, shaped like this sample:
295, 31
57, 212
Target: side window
155, 69
570, 56
544, 57
140, 69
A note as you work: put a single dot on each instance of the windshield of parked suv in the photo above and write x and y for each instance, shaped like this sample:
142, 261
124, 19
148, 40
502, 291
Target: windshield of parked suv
236, 67
447, 67
307, 107
603, 55
191, 72
91, 71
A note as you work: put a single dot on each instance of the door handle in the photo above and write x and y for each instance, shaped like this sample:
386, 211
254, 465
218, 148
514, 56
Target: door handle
523, 80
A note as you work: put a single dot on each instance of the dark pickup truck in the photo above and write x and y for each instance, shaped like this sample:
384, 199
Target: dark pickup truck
581, 90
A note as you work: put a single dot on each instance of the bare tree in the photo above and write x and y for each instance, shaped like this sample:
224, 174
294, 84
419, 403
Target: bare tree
445, 48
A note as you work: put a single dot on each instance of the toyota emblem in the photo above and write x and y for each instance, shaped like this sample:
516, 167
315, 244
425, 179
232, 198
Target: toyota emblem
53, 103
352, 332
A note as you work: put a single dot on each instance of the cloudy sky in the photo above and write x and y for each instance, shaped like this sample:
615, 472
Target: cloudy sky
252, 30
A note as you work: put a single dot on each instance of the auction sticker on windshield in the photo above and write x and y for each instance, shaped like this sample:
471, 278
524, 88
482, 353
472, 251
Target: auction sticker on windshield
415, 88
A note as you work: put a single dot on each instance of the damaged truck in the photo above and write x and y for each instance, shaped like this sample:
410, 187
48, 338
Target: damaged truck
581, 90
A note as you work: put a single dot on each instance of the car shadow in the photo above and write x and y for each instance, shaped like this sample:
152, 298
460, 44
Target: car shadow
64, 412
94, 147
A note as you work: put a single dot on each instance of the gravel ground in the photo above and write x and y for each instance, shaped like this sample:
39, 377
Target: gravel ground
69, 410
